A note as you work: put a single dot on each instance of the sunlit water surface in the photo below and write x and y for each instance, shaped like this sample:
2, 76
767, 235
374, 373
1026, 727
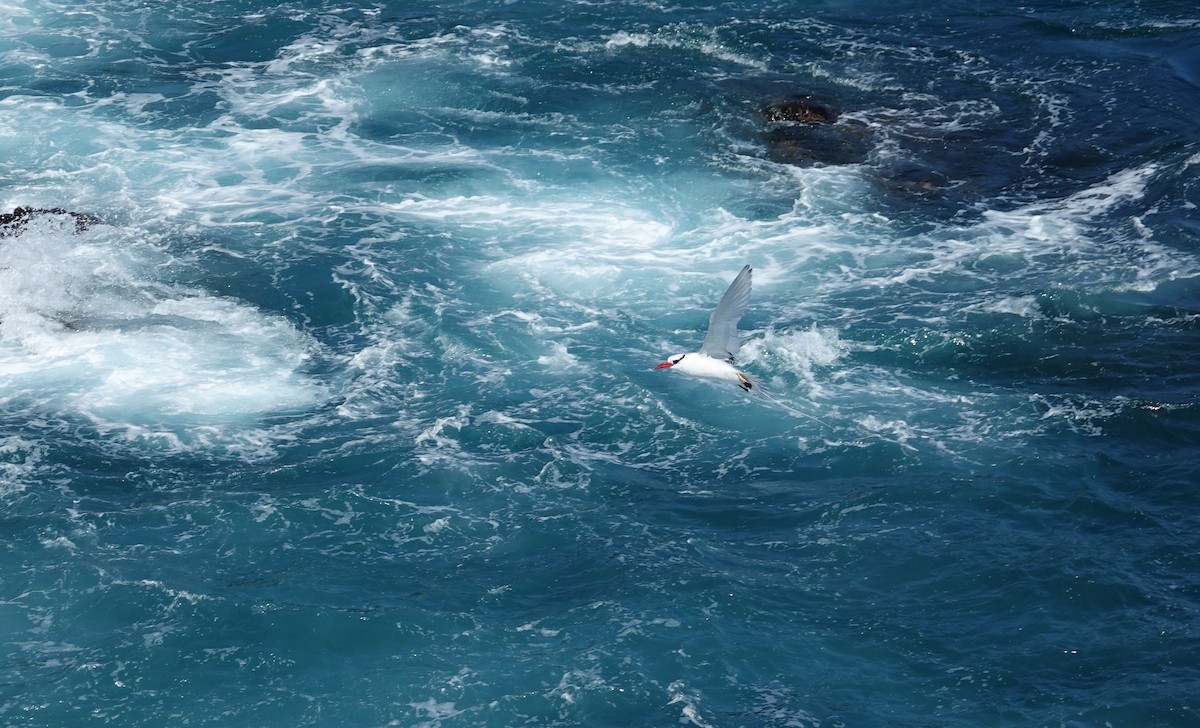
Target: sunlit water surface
346, 414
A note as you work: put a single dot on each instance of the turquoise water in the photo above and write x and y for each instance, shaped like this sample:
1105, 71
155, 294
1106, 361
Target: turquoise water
346, 414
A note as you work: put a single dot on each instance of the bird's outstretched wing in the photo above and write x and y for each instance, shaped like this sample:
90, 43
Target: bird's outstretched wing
721, 342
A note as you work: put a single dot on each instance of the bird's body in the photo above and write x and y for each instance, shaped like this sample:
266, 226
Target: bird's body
706, 367
718, 354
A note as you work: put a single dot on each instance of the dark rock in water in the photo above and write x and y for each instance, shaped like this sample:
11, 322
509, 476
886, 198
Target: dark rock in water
798, 109
911, 179
909, 164
799, 130
13, 223
840, 144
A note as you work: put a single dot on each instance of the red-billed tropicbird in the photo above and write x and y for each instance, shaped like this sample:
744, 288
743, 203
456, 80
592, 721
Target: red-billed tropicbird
717, 354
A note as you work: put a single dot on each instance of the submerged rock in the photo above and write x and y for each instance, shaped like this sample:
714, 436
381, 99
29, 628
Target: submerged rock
13, 223
800, 130
798, 109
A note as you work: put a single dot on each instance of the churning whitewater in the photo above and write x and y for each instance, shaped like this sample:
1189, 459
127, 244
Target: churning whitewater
328, 335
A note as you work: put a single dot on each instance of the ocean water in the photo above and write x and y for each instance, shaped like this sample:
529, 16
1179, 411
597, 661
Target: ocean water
346, 412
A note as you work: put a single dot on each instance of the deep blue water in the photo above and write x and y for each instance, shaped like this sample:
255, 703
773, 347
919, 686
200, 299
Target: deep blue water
346, 413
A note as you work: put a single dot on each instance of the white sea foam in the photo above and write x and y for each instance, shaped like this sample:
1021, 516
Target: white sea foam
1023, 306
795, 352
85, 331
587, 255
559, 359
689, 704
686, 37
20, 458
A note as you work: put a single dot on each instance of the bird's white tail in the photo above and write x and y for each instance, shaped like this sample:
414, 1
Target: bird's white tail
755, 387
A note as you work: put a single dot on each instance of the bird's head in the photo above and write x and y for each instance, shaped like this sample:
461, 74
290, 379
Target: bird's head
671, 361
